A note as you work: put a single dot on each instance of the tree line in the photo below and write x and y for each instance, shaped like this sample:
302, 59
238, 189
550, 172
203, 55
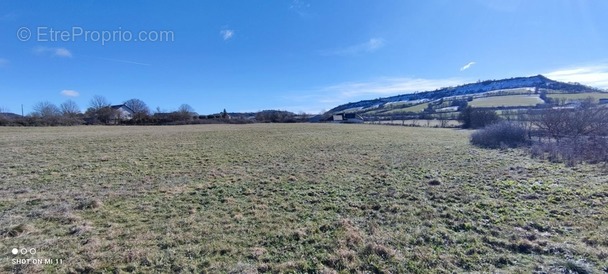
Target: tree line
560, 134
101, 112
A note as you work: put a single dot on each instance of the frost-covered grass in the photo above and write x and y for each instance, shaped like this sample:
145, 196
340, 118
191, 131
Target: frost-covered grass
292, 198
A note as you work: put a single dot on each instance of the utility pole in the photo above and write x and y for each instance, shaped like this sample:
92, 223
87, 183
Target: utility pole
21, 110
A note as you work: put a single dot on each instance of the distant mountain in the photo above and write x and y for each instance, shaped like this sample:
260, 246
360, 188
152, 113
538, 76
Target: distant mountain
9, 115
538, 82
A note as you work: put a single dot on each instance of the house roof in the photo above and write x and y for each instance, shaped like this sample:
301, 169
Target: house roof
122, 106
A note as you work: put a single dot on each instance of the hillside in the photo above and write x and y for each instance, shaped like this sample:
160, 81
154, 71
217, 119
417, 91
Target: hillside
518, 85
9, 115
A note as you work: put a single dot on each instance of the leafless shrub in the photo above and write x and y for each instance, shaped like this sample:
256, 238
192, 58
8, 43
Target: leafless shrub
570, 134
586, 119
590, 149
499, 135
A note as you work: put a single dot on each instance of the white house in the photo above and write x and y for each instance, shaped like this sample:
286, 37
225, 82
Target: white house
121, 113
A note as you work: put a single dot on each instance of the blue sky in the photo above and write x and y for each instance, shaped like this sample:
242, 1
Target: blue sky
294, 55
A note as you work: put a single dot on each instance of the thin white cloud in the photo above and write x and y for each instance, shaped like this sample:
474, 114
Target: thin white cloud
389, 86
11, 16
56, 52
331, 96
300, 7
70, 93
297, 109
370, 46
124, 61
62, 52
593, 75
227, 34
467, 66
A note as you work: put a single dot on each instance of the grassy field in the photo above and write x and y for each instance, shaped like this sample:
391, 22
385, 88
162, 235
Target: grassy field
506, 101
578, 96
280, 198
419, 122
415, 108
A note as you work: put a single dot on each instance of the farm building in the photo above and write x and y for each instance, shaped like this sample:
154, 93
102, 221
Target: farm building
347, 118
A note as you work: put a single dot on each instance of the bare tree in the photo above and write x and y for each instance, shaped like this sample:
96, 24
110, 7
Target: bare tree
552, 122
443, 119
46, 113
100, 110
526, 120
186, 108
587, 119
98, 102
3, 118
580, 132
69, 108
140, 110
45, 110
70, 113
185, 112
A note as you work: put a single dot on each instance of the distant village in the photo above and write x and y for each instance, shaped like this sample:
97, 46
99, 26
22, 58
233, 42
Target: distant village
136, 112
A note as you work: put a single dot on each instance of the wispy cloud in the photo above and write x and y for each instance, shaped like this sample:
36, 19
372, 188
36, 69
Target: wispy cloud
3, 62
389, 86
11, 16
300, 7
70, 93
370, 46
593, 75
62, 52
55, 52
227, 34
124, 61
330, 96
467, 66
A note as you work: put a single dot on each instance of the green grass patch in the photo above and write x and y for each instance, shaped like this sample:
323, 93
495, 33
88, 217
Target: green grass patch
578, 96
416, 108
506, 101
